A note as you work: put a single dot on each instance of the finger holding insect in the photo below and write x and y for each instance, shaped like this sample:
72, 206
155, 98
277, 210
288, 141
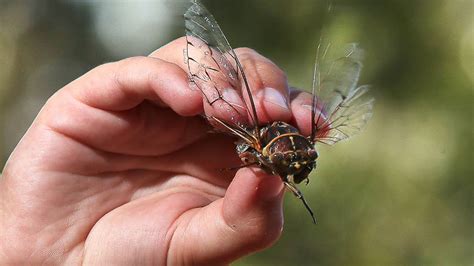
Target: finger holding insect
222, 85
301, 107
226, 91
268, 85
200, 62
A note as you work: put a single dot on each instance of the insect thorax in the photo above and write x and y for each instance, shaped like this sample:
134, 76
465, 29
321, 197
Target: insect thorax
285, 152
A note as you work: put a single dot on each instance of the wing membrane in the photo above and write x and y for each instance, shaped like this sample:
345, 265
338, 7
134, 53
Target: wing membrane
345, 107
213, 65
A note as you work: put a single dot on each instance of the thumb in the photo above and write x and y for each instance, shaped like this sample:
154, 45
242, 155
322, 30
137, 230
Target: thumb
249, 218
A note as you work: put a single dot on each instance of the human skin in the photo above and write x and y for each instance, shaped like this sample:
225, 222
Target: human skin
119, 168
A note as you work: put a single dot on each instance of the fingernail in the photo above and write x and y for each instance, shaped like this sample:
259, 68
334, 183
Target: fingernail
232, 97
317, 112
272, 95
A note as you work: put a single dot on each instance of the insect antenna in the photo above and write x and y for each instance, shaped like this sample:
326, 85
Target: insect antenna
238, 167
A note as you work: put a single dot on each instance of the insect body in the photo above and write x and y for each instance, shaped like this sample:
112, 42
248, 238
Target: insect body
339, 108
285, 152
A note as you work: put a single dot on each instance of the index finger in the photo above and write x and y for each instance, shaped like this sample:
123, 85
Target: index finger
122, 85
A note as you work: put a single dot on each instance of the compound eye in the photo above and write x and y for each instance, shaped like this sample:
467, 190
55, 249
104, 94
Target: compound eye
277, 157
313, 154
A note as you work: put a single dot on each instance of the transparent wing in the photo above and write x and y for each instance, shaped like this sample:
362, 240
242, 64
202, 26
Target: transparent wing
213, 65
345, 107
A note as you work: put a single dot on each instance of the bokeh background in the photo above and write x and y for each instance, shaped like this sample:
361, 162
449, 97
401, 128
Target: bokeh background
400, 193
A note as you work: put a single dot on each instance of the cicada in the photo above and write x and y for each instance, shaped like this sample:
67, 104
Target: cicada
340, 108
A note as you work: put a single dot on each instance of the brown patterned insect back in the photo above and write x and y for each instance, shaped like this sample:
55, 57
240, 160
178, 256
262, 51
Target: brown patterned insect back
339, 108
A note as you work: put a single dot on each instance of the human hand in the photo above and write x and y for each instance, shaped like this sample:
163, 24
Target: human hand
119, 168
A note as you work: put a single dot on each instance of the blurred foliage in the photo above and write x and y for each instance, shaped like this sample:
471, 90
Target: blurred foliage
401, 193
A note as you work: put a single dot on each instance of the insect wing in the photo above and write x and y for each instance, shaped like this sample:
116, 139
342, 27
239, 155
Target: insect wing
214, 67
345, 106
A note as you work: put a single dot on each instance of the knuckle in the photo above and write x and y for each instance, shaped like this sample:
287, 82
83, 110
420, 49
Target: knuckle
256, 63
180, 41
133, 60
246, 51
118, 68
280, 73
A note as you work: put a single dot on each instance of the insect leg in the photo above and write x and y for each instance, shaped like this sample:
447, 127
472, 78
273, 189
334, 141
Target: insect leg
300, 196
239, 167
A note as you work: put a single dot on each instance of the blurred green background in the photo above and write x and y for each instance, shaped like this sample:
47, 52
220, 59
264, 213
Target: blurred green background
400, 193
